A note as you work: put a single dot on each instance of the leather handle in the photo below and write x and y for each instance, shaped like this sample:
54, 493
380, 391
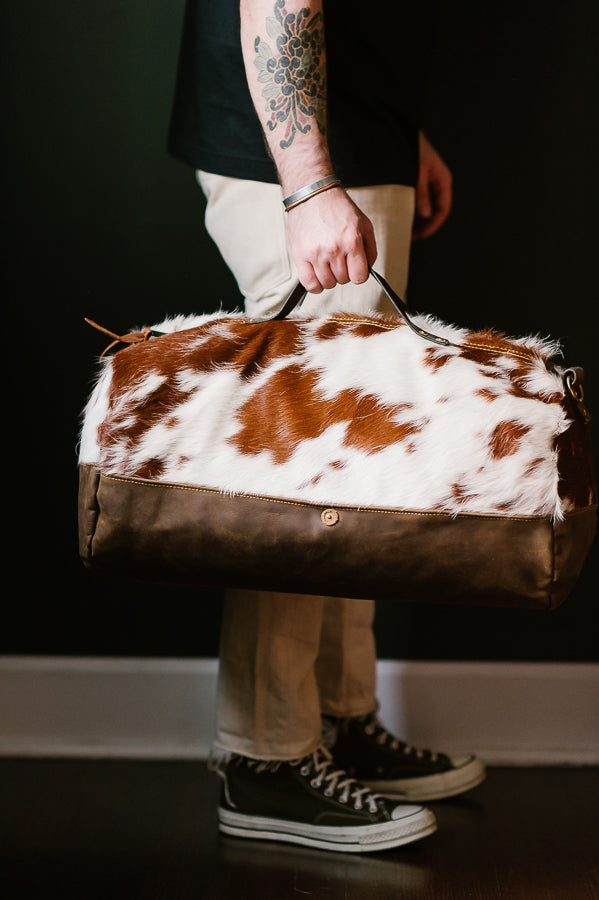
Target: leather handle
299, 292
296, 296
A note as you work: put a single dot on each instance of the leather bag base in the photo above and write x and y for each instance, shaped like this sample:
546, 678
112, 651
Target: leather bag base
175, 533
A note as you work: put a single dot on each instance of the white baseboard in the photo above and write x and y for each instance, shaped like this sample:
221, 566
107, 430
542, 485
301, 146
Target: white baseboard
508, 713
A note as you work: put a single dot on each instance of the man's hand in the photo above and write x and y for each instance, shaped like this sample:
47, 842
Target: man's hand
433, 192
330, 241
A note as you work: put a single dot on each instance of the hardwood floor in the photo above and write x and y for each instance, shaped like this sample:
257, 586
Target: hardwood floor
147, 830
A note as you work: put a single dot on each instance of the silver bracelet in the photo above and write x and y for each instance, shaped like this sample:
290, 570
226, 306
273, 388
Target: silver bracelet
317, 187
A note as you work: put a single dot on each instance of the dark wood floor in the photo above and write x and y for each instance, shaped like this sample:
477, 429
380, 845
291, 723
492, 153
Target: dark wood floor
146, 830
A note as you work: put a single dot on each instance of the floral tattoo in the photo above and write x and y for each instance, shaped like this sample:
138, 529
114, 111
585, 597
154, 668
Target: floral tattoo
294, 74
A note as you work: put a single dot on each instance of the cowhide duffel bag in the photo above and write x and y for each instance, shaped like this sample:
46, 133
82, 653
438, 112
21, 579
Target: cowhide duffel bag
361, 456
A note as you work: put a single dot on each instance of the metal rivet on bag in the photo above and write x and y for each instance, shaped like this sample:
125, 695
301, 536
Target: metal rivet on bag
329, 516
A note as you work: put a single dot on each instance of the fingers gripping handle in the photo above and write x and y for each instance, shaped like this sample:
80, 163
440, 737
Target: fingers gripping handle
299, 292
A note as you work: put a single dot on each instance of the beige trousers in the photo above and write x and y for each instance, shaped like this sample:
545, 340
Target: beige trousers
287, 659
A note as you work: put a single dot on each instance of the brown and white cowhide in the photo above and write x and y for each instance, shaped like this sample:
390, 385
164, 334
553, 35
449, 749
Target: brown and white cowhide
342, 410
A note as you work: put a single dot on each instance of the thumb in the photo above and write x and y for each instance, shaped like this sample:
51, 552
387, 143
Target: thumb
370, 245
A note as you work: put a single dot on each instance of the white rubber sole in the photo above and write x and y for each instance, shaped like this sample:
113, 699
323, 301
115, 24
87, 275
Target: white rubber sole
415, 824
467, 774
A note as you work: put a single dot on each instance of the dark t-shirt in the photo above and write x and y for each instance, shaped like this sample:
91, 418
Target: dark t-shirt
377, 65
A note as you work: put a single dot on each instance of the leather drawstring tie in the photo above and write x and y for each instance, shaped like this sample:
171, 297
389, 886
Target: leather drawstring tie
134, 337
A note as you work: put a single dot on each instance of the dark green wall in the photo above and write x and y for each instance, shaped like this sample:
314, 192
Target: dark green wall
101, 223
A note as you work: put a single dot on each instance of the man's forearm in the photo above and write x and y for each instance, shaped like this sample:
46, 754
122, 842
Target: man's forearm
285, 60
329, 238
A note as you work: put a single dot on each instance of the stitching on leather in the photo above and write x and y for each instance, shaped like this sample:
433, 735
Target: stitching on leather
356, 320
501, 351
319, 506
351, 320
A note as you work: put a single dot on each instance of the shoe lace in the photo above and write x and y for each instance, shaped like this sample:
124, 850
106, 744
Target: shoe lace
374, 728
336, 781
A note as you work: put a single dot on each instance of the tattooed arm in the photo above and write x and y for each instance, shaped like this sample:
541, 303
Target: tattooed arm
330, 240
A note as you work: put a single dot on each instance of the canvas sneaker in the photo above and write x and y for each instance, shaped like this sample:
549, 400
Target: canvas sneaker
396, 770
313, 802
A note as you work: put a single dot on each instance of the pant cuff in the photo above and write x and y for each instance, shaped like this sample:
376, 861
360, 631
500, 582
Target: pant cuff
285, 753
337, 712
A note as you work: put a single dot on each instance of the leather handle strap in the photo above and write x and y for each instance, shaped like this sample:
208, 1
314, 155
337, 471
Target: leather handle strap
296, 297
299, 292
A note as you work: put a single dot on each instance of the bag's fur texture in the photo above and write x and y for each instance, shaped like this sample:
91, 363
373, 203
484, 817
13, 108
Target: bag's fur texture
342, 410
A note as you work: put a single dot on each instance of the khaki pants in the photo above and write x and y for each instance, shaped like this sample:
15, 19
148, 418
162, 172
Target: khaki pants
287, 659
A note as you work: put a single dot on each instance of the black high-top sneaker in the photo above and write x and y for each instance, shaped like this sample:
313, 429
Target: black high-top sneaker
366, 750
311, 801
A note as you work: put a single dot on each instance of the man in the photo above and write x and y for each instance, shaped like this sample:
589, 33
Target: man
303, 125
